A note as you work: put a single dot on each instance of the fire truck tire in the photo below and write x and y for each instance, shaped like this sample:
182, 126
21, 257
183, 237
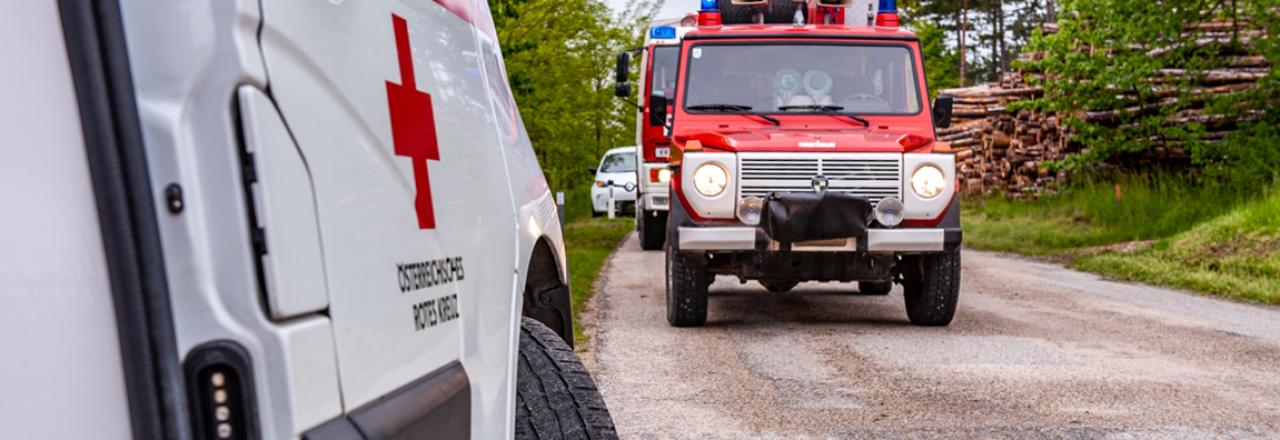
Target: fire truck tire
931, 288
777, 12
874, 288
779, 286
653, 230
687, 282
555, 396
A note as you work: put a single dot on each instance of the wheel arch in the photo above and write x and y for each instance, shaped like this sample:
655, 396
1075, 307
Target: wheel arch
546, 296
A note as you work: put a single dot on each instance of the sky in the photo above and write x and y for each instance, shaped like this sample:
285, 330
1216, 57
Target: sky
671, 9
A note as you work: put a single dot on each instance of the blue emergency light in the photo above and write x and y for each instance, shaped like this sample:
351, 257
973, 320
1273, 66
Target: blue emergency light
662, 32
887, 17
709, 16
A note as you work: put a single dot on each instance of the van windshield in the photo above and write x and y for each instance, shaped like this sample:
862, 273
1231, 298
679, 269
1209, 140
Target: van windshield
618, 163
862, 78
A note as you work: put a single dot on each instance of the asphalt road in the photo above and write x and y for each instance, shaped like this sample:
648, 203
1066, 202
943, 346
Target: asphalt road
1036, 351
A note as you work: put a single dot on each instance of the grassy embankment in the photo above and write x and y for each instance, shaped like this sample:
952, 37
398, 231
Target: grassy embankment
1161, 229
588, 243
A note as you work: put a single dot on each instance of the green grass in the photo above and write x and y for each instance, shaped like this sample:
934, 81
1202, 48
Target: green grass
1089, 214
1210, 238
1236, 255
588, 242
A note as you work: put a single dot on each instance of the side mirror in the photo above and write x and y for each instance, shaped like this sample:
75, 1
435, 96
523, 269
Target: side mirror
622, 90
942, 108
624, 67
657, 109
592, 171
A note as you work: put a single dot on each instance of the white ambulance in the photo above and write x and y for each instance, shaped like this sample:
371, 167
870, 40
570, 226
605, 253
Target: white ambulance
245, 219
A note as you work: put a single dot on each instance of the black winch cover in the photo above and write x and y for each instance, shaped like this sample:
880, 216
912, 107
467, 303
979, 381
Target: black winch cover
805, 216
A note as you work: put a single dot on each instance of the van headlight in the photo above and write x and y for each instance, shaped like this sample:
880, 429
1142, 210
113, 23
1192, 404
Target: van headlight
928, 181
710, 179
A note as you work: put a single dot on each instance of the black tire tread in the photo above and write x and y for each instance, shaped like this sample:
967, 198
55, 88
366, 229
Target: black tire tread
687, 282
555, 396
653, 230
931, 288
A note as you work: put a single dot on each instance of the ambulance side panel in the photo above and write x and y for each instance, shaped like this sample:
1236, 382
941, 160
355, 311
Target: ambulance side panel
57, 320
201, 94
535, 207
408, 298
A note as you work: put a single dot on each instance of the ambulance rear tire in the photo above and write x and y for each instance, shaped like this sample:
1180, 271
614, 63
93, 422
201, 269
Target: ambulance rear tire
687, 283
931, 288
652, 226
875, 288
555, 396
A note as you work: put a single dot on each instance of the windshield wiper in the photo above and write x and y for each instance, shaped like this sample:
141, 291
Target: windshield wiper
720, 107
733, 108
833, 110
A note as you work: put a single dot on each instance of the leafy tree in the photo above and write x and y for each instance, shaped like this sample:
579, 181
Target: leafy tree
559, 57
941, 64
1132, 80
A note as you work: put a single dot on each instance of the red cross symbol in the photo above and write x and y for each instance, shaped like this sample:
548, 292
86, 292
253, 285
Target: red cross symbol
413, 129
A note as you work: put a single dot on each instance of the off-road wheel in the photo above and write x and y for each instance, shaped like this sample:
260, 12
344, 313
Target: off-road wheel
555, 396
652, 228
875, 288
775, 12
687, 282
931, 287
779, 286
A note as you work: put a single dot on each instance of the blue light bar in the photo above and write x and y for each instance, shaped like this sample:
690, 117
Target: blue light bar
888, 5
711, 5
662, 32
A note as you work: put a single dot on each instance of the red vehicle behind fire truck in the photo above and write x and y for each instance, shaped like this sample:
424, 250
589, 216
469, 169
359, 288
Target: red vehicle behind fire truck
805, 151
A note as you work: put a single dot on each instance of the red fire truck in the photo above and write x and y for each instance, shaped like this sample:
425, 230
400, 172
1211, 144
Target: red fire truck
653, 146
805, 151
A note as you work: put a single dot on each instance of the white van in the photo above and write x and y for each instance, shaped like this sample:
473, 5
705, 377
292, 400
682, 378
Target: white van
243, 219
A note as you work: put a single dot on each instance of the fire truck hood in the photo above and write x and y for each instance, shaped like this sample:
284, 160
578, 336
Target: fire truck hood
815, 140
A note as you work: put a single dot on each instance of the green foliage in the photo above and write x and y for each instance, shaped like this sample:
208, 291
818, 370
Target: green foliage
1130, 79
941, 64
559, 58
995, 31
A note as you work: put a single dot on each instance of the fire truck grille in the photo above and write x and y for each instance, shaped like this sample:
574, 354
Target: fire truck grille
873, 176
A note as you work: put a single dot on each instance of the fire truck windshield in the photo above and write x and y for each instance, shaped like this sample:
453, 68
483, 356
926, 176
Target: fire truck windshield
664, 68
791, 77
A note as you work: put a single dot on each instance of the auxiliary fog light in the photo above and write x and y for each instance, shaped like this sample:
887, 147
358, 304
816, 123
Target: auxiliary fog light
928, 181
710, 179
750, 209
889, 211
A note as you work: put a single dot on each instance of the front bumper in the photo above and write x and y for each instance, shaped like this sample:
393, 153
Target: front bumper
748, 238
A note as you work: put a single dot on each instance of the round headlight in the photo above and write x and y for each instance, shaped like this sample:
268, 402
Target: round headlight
928, 181
664, 175
710, 179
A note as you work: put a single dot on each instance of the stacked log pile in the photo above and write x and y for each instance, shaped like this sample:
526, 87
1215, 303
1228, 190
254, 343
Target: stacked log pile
999, 149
